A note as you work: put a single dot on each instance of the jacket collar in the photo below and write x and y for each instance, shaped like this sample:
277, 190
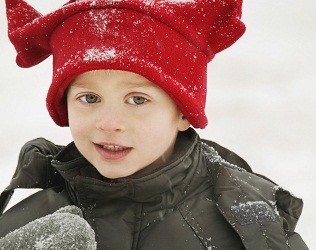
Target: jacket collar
87, 185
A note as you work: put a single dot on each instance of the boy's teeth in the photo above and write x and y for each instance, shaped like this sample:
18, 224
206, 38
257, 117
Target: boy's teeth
113, 148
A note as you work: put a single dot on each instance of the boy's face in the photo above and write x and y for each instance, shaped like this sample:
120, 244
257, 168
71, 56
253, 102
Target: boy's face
121, 122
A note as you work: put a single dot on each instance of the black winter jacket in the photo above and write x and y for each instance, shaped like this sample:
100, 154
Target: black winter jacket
206, 197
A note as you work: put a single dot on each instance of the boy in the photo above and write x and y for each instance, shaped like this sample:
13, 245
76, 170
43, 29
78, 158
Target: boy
129, 78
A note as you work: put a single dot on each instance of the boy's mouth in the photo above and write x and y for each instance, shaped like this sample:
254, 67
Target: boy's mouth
112, 151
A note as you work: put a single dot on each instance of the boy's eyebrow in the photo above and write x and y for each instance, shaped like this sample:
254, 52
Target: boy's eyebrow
78, 84
141, 84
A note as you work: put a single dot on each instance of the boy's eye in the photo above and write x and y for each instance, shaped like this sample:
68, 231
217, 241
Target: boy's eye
90, 98
136, 100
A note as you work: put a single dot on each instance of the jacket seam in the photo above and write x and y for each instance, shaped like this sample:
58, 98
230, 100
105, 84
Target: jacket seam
137, 225
188, 212
195, 228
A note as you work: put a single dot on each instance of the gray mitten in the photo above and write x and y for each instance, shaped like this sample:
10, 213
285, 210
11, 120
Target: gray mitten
64, 229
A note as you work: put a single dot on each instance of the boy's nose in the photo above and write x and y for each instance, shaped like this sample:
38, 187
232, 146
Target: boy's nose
110, 120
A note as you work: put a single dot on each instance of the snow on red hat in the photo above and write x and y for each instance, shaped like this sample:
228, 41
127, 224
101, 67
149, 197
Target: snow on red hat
169, 42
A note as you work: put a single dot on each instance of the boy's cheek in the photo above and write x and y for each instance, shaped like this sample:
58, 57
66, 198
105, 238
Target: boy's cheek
78, 123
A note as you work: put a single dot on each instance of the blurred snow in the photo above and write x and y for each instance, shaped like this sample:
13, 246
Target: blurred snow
261, 99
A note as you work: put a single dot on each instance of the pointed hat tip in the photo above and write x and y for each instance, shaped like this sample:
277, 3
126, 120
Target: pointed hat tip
19, 13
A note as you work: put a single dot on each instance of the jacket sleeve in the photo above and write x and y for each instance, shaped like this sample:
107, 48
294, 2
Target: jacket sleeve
290, 209
296, 242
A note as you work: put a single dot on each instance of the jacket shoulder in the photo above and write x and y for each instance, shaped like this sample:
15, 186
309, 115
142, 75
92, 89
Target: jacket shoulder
34, 169
261, 212
228, 155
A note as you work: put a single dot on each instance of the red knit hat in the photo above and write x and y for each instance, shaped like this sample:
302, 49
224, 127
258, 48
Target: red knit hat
169, 42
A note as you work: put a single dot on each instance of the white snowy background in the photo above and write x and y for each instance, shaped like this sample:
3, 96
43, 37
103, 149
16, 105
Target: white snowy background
261, 99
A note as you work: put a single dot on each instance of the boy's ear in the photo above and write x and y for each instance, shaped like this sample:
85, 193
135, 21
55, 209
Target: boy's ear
184, 124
